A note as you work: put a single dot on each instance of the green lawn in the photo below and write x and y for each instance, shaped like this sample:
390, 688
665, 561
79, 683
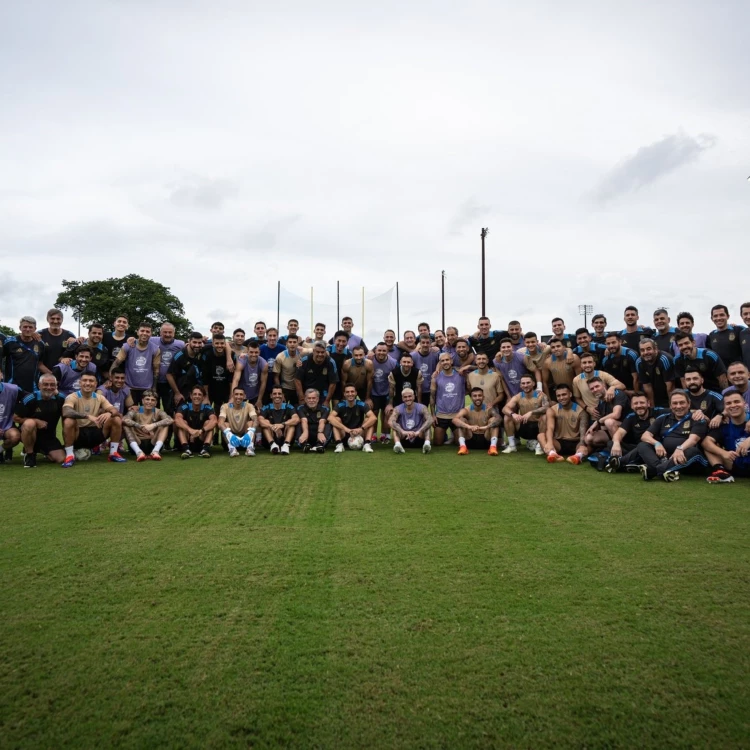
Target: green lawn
371, 602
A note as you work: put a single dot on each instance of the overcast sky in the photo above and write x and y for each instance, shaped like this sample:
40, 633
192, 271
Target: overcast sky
220, 146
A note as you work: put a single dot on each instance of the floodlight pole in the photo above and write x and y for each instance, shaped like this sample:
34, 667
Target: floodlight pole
484, 232
585, 310
443, 297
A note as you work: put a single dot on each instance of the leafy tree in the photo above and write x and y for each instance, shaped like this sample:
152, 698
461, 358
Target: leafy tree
7, 330
132, 295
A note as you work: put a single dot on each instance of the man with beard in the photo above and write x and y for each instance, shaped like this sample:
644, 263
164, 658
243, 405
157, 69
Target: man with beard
317, 372
655, 372
352, 418
315, 432
581, 392
9, 433
707, 362
251, 374
378, 389
464, 359
405, 375
447, 396
186, 370
620, 362
99, 353
238, 421
609, 415
585, 345
68, 376
511, 366
24, 356
215, 376
489, 380
478, 425
525, 418
560, 367
685, 324
278, 422
339, 352
705, 405
727, 447
515, 334
623, 449
632, 334
425, 359
566, 428
671, 444
357, 371
118, 394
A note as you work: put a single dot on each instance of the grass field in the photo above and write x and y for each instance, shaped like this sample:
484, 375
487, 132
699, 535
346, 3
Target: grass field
371, 601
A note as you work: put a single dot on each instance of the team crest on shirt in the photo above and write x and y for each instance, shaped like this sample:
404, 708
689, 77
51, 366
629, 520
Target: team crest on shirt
325, 371
732, 337
36, 348
652, 420
219, 370
449, 387
658, 371
686, 426
704, 405
410, 424
140, 361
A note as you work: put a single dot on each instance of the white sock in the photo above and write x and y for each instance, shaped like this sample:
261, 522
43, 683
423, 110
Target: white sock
462, 441
68, 451
136, 448
159, 445
493, 442
397, 442
427, 441
580, 455
113, 447
552, 452
511, 440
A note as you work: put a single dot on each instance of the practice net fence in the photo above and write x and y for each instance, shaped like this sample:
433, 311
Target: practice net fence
372, 315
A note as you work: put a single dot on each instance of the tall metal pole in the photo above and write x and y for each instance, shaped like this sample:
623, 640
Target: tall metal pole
398, 316
278, 305
484, 232
338, 306
443, 297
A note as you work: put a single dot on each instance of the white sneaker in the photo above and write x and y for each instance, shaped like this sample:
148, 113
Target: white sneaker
339, 448
250, 451
538, 451
367, 448
274, 447
427, 447
233, 452
510, 449
398, 448
532, 444
285, 449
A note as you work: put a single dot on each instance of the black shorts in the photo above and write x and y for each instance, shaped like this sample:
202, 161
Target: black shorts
166, 396
218, 399
424, 398
45, 444
137, 395
478, 441
568, 447
379, 403
444, 424
416, 443
528, 431
89, 437
290, 396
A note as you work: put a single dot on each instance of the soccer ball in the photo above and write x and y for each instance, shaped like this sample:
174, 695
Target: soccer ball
532, 444
82, 454
356, 442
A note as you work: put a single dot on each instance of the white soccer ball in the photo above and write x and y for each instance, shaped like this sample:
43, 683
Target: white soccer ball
532, 444
82, 454
356, 442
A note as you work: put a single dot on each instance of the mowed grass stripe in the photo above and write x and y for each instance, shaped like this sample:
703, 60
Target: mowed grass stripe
372, 600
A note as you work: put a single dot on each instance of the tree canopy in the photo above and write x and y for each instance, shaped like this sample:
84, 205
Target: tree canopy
136, 297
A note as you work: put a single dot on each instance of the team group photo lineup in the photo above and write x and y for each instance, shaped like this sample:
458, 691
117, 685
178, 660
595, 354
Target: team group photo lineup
652, 397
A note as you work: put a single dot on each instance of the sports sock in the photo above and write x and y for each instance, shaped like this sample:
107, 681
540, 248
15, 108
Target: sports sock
136, 448
512, 440
159, 445
68, 451
579, 455
113, 447
462, 441
493, 442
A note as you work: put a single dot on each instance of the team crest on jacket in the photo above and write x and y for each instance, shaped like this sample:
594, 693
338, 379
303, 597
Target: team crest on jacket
325, 371
686, 426
658, 371
731, 336
704, 405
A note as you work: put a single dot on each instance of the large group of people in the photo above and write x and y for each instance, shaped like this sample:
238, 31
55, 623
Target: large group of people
658, 400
